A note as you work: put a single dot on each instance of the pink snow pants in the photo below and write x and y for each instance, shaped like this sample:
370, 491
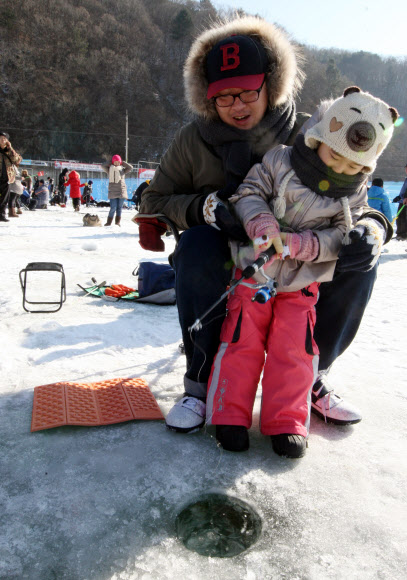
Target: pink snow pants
282, 329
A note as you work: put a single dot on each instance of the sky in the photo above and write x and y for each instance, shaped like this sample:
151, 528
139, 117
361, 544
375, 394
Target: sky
346, 24
100, 503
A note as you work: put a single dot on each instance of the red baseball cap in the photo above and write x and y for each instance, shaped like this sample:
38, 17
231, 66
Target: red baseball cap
236, 62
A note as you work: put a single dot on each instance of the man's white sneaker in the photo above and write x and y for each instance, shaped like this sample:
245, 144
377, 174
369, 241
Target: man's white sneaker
332, 408
187, 415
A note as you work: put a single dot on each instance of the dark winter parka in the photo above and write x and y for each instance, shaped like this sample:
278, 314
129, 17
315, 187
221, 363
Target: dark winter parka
62, 179
75, 182
191, 168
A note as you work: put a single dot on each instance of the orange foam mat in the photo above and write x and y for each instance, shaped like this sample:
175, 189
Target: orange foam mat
89, 404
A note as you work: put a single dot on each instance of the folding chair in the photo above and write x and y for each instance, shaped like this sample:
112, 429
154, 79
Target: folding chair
37, 267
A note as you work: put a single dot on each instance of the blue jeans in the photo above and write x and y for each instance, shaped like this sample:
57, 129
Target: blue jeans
116, 206
203, 268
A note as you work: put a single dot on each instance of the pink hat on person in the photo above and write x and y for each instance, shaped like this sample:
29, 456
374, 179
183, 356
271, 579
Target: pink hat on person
117, 158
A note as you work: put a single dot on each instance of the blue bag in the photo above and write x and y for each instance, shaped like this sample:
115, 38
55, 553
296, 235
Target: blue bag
156, 283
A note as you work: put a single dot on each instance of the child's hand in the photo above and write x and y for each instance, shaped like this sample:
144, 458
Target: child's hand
262, 243
303, 246
264, 231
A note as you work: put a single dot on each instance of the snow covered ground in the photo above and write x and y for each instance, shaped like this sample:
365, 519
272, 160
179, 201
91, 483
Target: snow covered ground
98, 503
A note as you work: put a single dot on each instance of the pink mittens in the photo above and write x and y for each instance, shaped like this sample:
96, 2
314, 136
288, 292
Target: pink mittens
264, 231
303, 246
263, 224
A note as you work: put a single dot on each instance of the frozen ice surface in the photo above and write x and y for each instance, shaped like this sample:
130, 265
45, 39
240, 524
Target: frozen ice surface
100, 503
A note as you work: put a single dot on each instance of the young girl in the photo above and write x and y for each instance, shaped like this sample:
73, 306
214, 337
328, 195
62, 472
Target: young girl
308, 197
74, 182
117, 191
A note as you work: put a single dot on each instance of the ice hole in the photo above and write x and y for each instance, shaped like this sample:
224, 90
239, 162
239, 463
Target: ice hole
218, 525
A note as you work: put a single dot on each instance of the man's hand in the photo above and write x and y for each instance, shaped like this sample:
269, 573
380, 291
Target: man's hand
217, 215
366, 240
226, 192
150, 232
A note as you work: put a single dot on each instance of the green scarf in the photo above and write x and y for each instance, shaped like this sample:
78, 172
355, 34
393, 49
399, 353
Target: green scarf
313, 173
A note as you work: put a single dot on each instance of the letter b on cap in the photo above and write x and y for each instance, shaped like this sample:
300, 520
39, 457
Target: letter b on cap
230, 54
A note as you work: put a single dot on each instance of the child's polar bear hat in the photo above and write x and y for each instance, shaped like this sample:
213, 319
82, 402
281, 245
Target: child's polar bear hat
358, 126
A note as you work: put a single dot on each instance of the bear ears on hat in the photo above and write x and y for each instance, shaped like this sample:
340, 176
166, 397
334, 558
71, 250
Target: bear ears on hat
350, 90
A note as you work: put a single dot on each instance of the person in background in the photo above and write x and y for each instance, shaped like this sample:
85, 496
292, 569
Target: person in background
117, 191
9, 160
50, 186
87, 193
62, 179
75, 184
26, 198
15, 190
136, 199
54, 200
241, 78
28, 180
42, 195
24, 176
36, 184
401, 221
379, 199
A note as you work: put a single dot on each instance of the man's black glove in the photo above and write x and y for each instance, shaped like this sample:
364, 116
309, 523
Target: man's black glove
226, 192
363, 251
217, 215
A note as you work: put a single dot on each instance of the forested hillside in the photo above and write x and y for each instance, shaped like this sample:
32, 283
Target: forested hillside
70, 69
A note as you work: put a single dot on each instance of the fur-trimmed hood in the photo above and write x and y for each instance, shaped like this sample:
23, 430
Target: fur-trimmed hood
284, 78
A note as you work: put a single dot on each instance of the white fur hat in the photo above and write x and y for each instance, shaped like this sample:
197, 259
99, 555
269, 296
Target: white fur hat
358, 126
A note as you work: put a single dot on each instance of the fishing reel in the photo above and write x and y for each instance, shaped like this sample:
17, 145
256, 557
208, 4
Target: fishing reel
266, 292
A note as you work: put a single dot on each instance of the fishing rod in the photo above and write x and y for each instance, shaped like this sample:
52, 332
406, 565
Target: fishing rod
265, 292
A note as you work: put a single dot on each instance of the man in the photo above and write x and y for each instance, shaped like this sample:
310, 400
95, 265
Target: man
241, 78
8, 158
42, 195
